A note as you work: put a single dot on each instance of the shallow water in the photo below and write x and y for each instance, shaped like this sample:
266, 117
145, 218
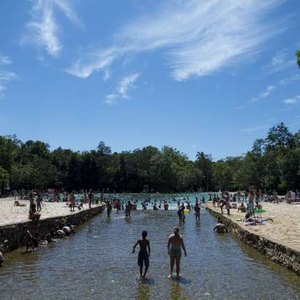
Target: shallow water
97, 263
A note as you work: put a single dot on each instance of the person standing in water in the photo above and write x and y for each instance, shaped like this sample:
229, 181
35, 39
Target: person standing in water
197, 211
144, 254
220, 227
108, 208
175, 243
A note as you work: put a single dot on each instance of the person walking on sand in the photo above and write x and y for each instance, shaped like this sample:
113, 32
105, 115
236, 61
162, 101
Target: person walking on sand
39, 202
72, 201
175, 243
144, 253
90, 198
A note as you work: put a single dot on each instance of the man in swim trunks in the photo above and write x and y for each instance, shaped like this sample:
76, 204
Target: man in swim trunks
144, 253
175, 243
220, 227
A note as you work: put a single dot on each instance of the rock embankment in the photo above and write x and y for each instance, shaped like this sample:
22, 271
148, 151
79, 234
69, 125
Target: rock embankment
277, 252
13, 234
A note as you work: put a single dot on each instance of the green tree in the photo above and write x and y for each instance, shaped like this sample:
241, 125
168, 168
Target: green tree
204, 164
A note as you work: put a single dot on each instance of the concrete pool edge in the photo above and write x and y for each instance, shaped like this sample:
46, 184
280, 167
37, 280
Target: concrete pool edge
14, 234
278, 253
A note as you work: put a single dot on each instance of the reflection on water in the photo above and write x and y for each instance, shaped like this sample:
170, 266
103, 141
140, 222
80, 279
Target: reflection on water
97, 263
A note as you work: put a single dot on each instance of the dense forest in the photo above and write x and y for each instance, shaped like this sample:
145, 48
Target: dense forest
272, 163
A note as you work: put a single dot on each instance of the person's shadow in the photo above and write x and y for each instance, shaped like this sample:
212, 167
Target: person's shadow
143, 289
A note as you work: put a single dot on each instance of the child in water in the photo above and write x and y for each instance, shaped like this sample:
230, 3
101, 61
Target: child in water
143, 258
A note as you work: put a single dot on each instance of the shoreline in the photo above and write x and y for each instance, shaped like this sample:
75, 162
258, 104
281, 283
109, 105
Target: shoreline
13, 219
279, 240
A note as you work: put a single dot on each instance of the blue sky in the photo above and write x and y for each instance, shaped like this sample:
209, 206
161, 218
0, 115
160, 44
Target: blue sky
195, 75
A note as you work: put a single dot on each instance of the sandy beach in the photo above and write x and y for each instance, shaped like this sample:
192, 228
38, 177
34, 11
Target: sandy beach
10, 214
285, 228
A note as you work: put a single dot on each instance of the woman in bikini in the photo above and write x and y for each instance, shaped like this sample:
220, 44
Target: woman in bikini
175, 243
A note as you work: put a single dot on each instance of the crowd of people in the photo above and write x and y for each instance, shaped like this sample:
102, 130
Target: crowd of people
246, 203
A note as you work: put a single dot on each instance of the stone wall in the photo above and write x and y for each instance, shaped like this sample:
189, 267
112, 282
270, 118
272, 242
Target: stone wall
278, 253
14, 233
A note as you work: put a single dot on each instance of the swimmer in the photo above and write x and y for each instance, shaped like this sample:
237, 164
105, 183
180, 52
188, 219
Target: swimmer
144, 253
175, 243
220, 227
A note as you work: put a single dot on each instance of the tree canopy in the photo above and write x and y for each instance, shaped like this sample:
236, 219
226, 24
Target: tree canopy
272, 163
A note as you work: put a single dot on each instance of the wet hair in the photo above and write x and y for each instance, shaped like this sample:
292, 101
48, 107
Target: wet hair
176, 230
144, 233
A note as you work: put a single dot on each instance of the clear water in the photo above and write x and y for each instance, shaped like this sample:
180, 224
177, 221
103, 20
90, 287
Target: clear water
97, 263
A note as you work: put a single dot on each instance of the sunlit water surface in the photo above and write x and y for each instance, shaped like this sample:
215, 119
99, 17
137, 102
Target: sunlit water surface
97, 263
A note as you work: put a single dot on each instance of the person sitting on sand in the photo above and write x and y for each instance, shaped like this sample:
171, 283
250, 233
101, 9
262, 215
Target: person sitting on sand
144, 253
257, 205
220, 227
242, 208
17, 203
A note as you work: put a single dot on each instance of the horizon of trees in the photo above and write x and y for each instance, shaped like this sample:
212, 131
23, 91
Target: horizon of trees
273, 163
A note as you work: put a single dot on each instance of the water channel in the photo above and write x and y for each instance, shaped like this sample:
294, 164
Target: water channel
97, 263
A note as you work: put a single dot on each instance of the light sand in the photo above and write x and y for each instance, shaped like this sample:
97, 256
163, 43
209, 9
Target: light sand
10, 214
285, 228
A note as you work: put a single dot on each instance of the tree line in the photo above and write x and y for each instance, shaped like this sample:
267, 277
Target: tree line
273, 163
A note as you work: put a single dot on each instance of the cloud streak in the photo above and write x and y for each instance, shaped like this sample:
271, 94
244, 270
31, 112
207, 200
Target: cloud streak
43, 29
196, 37
266, 93
4, 60
125, 84
292, 100
280, 61
5, 78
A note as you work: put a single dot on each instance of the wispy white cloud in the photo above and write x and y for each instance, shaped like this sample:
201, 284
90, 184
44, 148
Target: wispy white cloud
5, 78
94, 61
290, 79
43, 29
292, 100
124, 86
266, 93
4, 60
197, 37
281, 60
